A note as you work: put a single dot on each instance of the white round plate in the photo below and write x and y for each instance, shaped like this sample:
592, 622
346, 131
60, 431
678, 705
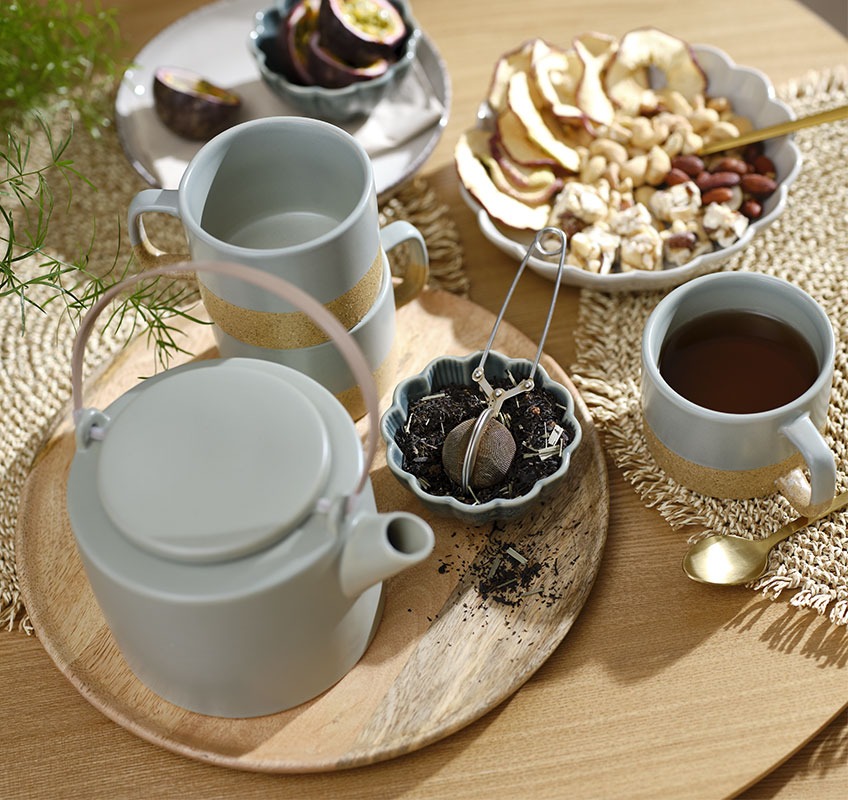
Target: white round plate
752, 95
213, 42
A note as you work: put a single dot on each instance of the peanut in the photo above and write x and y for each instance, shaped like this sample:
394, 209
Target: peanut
751, 209
721, 194
759, 186
685, 239
728, 164
691, 164
713, 180
751, 152
765, 166
676, 176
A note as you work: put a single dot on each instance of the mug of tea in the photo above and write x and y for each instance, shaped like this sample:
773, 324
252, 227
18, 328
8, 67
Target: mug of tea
736, 377
294, 197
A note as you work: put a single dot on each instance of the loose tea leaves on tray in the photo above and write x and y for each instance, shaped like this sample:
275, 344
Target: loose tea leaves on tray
532, 417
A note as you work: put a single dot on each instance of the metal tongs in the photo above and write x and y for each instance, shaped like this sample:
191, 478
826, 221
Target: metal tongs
497, 397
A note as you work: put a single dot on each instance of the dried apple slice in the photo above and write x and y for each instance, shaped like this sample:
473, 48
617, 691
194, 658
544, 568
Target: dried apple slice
498, 205
594, 51
534, 196
479, 142
512, 136
627, 76
557, 76
517, 60
521, 175
521, 103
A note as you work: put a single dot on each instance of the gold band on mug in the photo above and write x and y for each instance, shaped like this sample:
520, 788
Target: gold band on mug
727, 484
290, 330
385, 378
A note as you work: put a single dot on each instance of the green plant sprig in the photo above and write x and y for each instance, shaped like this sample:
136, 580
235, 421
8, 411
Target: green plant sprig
54, 54
60, 60
26, 193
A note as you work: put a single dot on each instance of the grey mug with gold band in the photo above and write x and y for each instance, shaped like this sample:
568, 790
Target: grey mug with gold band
713, 447
294, 197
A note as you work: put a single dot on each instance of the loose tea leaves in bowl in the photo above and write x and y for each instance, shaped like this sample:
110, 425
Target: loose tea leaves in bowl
427, 406
533, 418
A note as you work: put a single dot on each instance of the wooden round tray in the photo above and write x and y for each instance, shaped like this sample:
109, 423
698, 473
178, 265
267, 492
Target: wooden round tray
443, 655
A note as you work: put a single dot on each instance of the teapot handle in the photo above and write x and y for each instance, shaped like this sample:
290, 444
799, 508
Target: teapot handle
323, 318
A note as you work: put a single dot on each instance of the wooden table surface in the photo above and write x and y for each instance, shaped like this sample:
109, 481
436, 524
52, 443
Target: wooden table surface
663, 688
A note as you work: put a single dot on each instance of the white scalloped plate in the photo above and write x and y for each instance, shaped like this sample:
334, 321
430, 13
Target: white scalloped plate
752, 95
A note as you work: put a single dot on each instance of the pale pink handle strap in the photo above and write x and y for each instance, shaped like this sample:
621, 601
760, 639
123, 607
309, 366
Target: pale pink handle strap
278, 286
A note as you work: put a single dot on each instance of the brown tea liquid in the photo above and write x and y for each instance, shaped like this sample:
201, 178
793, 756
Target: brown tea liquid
738, 362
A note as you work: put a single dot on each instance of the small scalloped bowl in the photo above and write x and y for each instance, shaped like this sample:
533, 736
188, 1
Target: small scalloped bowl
334, 105
447, 370
752, 95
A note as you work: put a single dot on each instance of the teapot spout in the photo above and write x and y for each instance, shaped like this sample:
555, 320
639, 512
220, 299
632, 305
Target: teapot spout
380, 546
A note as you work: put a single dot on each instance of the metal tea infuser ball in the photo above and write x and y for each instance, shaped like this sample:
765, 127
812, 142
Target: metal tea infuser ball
478, 453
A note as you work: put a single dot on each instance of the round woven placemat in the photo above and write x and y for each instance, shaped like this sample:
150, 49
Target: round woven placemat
808, 246
35, 361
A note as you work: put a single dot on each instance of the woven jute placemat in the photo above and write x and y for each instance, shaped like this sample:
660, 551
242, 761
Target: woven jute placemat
35, 360
808, 246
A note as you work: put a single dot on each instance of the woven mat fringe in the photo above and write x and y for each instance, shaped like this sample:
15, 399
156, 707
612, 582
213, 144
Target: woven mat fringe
417, 203
808, 245
35, 368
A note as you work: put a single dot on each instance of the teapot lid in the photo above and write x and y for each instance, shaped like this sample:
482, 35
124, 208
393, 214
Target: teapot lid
208, 465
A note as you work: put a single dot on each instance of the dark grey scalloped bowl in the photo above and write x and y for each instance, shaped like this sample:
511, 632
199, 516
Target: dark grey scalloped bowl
334, 105
446, 370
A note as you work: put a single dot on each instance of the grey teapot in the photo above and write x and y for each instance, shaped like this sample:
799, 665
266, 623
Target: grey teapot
227, 525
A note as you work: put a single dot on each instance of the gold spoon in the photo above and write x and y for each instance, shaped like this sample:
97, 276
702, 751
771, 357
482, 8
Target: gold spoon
731, 560
831, 115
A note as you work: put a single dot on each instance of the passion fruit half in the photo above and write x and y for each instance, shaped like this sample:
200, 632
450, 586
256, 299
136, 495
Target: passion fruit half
293, 42
333, 73
361, 32
191, 106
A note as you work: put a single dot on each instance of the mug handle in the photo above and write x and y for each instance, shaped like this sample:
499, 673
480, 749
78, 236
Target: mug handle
89, 423
164, 201
809, 497
418, 270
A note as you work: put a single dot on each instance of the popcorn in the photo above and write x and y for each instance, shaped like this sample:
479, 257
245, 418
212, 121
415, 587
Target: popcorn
594, 248
630, 221
680, 202
585, 202
642, 250
683, 241
723, 224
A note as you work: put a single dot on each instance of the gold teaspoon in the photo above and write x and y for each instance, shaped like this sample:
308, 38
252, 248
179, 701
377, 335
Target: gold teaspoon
831, 115
732, 560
